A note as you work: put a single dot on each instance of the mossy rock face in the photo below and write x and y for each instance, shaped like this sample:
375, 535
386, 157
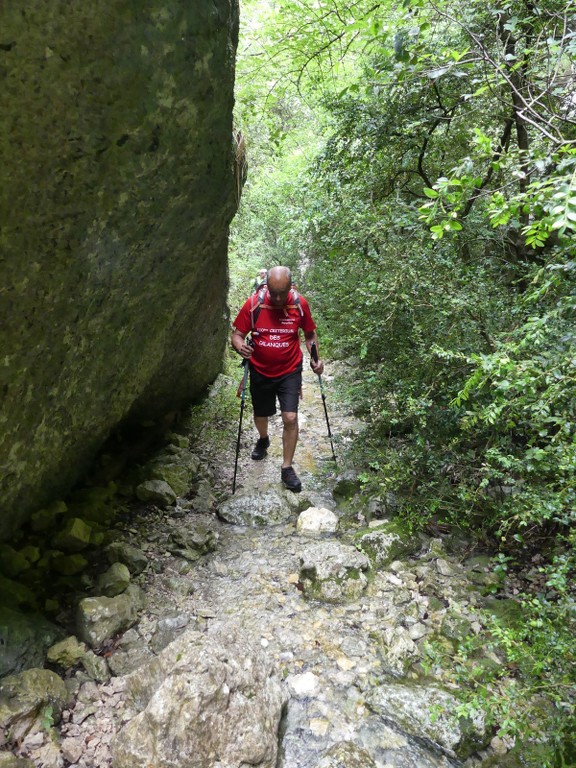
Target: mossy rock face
347, 485
176, 466
12, 563
22, 696
508, 611
386, 543
456, 627
74, 537
24, 639
117, 173
426, 712
11, 761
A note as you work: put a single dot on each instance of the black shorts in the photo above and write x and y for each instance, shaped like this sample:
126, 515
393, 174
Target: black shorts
264, 392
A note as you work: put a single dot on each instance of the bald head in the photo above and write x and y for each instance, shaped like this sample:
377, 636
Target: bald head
279, 284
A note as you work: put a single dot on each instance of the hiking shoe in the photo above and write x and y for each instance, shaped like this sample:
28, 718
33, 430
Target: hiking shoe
260, 448
291, 479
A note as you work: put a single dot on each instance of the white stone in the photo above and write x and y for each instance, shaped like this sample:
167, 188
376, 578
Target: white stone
305, 684
317, 520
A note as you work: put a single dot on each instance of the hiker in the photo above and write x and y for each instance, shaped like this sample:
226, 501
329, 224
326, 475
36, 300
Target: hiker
274, 317
259, 280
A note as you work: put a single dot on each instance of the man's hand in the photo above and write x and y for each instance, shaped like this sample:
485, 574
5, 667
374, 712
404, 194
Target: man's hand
241, 346
317, 367
315, 363
245, 350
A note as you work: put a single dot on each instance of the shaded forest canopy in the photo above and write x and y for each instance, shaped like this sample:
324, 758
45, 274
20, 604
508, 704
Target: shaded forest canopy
415, 164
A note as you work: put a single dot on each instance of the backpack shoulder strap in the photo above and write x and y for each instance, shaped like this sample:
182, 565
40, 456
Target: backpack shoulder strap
295, 296
257, 304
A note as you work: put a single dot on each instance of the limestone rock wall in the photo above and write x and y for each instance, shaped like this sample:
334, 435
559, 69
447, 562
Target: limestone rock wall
116, 192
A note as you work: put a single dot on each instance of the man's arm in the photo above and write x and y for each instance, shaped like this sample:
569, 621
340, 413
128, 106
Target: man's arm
310, 338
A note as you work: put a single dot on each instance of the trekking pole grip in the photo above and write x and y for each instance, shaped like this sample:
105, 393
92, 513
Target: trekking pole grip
314, 352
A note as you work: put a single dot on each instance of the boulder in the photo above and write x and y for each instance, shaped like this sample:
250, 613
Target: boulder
96, 667
207, 695
132, 557
269, 506
331, 571
156, 492
67, 653
192, 542
68, 565
427, 713
74, 537
117, 177
14, 594
28, 697
44, 519
176, 465
100, 618
114, 580
12, 562
386, 543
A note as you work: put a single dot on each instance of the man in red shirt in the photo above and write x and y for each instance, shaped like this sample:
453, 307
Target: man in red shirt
275, 360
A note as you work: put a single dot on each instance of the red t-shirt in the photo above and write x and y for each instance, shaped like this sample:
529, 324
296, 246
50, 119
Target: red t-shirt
276, 341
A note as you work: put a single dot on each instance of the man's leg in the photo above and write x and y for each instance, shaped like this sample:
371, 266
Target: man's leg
263, 442
289, 440
289, 437
261, 423
263, 401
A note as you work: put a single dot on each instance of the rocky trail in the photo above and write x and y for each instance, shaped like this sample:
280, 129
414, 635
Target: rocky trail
274, 629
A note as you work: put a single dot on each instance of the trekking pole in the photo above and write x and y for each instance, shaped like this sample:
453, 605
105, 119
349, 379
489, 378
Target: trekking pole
241, 393
314, 353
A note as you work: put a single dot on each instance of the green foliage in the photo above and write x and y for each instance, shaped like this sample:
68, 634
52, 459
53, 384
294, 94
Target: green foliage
47, 717
215, 419
529, 691
522, 400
